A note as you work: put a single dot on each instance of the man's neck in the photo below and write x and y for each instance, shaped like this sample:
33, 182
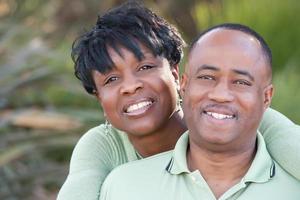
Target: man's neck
163, 139
220, 170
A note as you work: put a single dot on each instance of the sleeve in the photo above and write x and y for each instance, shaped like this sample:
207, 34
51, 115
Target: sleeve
282, 138
91, 161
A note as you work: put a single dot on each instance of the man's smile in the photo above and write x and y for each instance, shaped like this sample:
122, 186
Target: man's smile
219, 115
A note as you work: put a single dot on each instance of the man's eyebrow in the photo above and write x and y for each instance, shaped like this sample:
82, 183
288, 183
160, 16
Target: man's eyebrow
207, 67
244, 73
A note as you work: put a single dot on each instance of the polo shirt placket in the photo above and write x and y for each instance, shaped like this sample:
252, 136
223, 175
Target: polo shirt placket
261, 170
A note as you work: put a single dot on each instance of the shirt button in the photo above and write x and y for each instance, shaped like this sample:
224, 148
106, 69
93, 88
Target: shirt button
193, 178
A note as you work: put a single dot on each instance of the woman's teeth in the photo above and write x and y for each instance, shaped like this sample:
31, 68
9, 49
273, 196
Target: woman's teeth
137, 106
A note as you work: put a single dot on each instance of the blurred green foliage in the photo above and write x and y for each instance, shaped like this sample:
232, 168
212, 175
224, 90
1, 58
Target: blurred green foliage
276, 21
36, 71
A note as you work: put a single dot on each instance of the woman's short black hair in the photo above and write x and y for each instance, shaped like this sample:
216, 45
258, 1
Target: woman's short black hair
126, 25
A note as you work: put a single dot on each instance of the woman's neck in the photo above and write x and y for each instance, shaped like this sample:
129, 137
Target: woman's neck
163, 139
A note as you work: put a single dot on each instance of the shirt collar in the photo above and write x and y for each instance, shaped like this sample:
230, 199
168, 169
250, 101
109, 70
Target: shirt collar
178, 163
261, 170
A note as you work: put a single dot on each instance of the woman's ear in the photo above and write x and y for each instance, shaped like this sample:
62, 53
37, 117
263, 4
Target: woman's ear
96, 94
98, 97
175, 72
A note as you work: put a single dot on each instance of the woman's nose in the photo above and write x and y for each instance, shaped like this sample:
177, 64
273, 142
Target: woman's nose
131, 84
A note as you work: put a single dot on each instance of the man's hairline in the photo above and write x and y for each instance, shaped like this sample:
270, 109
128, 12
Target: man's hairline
264, 54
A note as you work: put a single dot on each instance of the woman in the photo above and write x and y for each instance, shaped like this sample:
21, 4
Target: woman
129, 61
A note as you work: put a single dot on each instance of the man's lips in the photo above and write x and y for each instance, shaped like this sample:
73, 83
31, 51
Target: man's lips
219, 115
220, 112
138, 107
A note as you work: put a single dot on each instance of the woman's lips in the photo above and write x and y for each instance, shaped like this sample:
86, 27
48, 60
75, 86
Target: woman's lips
138, 107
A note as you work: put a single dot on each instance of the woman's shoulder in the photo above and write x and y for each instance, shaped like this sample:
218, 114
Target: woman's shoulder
96, 153
101, 135
103, 132
105, 142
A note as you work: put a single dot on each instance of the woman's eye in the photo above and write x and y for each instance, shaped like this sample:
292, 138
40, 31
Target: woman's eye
145, 67
110, 79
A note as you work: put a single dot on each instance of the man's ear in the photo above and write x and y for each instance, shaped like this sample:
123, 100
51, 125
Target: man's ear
183, 84
268, 94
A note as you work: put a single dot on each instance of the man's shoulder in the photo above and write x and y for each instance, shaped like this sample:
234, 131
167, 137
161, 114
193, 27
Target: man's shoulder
132, 179
139, 171
150, 164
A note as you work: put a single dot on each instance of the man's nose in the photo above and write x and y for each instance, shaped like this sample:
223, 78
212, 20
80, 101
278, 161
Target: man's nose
221, 93
131, 84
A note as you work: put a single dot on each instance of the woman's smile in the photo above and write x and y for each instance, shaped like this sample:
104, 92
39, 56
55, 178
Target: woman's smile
139, 107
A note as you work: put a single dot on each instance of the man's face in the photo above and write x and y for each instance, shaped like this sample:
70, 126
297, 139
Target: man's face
225, 88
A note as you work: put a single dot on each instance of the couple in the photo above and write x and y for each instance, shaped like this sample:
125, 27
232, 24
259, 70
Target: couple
129, 62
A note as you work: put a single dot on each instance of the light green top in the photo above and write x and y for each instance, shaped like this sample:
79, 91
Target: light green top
97, 153
166, 176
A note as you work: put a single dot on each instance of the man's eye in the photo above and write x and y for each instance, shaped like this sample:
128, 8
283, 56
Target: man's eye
146, 67
242, 82
110, 79
206, 77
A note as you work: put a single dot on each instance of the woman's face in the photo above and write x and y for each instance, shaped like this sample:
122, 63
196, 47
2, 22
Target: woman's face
138, 97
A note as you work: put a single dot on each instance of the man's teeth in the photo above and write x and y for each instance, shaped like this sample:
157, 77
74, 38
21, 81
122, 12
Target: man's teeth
220, 116
138, 106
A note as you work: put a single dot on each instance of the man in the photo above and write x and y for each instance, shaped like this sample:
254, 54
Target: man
226, 87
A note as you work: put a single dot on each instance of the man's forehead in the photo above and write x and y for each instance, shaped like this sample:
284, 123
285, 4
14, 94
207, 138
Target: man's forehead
222, 36
228, 50
220, 42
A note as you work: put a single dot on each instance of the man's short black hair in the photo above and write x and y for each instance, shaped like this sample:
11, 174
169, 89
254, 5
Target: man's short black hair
128, 25
245, 29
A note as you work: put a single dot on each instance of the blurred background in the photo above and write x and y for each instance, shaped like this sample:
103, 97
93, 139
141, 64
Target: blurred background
43, 108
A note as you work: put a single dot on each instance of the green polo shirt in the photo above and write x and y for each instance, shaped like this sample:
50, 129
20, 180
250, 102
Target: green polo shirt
100, 150
166, 176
